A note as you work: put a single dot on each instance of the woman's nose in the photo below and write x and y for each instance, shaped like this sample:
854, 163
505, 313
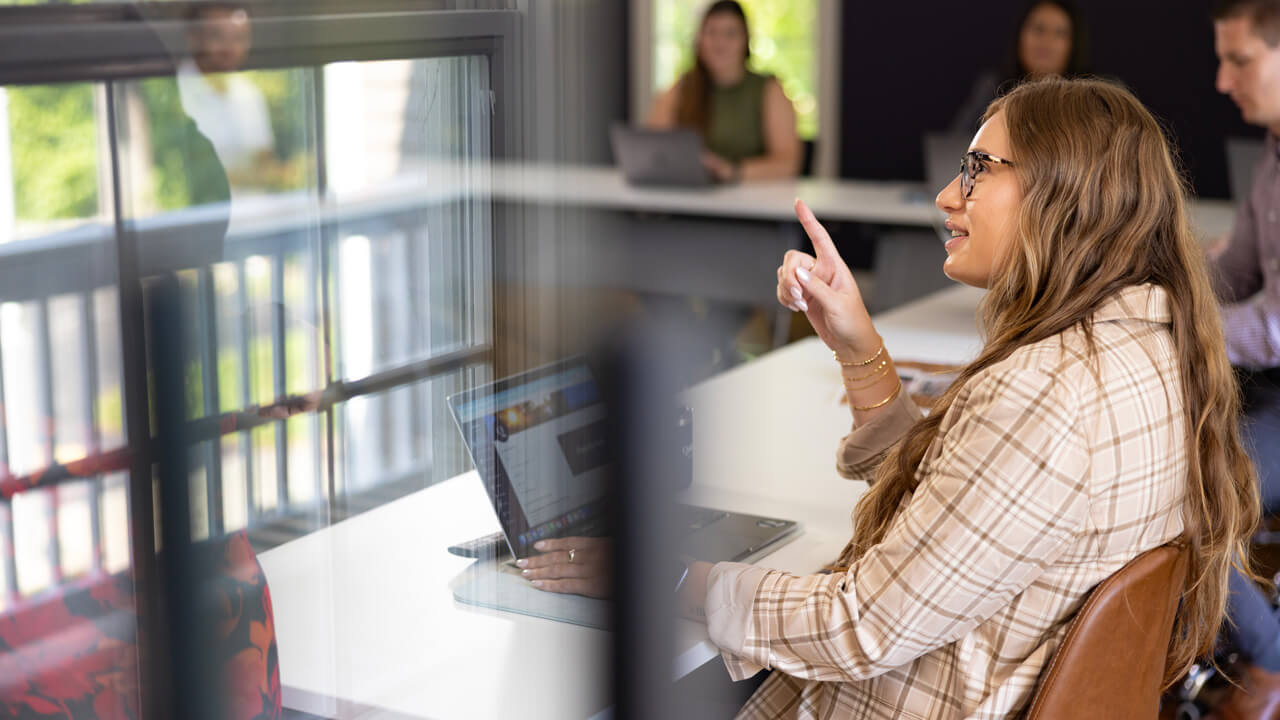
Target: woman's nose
950, 199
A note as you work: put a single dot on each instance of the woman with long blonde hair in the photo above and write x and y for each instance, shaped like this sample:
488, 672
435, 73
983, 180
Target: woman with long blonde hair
1098, 422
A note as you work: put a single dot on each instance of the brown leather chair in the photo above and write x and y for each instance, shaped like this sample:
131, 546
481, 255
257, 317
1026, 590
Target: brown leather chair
1111, 663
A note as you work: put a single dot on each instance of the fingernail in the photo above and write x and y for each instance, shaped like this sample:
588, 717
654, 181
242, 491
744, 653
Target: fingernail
537, 583
802, 274
521, 563
525, 572
796, 293
804, 306
540, 545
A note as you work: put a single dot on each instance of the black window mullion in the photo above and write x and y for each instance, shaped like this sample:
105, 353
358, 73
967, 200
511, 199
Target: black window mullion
153, 677
93, 434
207, 306
314, 346
10, 554
48, 424
6, 504
324, 289
278, 378
244, 337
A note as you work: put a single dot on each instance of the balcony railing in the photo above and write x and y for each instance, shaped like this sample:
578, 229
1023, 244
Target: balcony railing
430, 335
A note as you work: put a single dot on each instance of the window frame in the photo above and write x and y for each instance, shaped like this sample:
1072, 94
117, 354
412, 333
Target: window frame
109, 43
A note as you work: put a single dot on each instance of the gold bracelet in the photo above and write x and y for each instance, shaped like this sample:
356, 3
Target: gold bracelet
872, 379
883, 402
864, 363
874, 371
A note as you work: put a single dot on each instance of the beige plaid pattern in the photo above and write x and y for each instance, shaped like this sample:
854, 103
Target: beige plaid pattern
1050, 472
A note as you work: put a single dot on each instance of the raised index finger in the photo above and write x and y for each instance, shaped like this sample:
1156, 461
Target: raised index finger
822, 245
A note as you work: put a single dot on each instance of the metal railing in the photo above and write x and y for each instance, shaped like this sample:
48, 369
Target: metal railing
289, 229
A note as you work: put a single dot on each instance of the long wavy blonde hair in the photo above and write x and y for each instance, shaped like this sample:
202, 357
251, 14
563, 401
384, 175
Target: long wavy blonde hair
1104, 208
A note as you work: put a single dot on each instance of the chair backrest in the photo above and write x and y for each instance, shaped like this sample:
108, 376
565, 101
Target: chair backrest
1111, 663
808, 152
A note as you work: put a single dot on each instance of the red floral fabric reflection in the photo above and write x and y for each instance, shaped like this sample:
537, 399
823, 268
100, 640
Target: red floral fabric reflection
73, 654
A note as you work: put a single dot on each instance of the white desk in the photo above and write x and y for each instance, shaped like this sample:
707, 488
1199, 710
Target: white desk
867, 201
721, 243
364, 612
870, 201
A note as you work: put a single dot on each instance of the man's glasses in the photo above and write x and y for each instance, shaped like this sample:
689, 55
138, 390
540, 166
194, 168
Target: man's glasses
974, 162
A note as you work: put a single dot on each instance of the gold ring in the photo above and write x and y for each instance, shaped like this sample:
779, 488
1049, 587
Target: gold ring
572, 552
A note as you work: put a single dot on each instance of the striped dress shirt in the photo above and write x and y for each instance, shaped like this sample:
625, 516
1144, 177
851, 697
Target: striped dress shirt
1050, 471
1248, 277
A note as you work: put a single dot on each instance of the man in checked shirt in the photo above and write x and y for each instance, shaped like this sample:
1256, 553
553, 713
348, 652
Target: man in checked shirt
1247, 41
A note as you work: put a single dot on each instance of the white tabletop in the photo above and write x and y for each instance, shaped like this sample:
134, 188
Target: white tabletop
897, 203
364, 611
869, 201
603, 187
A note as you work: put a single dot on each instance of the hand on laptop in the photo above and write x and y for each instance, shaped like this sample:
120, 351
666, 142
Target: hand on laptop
722, 170
575, 565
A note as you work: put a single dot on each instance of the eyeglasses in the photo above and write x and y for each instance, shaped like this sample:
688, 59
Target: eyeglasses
974, 162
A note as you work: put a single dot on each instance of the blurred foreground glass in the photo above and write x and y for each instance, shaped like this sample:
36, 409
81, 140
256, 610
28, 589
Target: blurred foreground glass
65, 593
325, 251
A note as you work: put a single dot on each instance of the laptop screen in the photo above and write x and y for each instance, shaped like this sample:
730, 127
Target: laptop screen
538, 441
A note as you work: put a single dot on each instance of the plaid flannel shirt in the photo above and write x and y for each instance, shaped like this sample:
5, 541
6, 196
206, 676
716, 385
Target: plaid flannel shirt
1050, 471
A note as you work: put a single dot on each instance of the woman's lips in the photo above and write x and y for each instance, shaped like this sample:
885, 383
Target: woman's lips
953, 242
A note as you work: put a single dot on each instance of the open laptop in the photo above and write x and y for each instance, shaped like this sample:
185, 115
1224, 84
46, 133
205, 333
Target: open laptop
660, 158
538, 441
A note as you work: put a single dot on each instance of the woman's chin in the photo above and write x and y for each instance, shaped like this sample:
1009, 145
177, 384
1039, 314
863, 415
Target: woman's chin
954, 269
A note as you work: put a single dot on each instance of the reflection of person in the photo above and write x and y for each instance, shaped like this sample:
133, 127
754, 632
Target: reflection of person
1247, 38
1095, 422
229, 109
746, 121
1050, 41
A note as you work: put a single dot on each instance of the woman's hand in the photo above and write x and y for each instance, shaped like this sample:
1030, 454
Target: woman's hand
692, 598
824, 290
575, 565
722, 170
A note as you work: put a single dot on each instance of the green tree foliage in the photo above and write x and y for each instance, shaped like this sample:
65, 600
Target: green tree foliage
783, 43
167, 125
288, 97
53, 143
53, 135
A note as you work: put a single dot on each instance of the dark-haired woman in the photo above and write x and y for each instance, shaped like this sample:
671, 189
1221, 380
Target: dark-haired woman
1050, 41
747, 124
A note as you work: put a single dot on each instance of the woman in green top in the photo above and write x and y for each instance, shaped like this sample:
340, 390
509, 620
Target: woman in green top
746, 121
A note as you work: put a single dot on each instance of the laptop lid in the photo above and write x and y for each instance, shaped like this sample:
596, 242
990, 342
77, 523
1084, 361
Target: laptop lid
538, 441
660, 157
